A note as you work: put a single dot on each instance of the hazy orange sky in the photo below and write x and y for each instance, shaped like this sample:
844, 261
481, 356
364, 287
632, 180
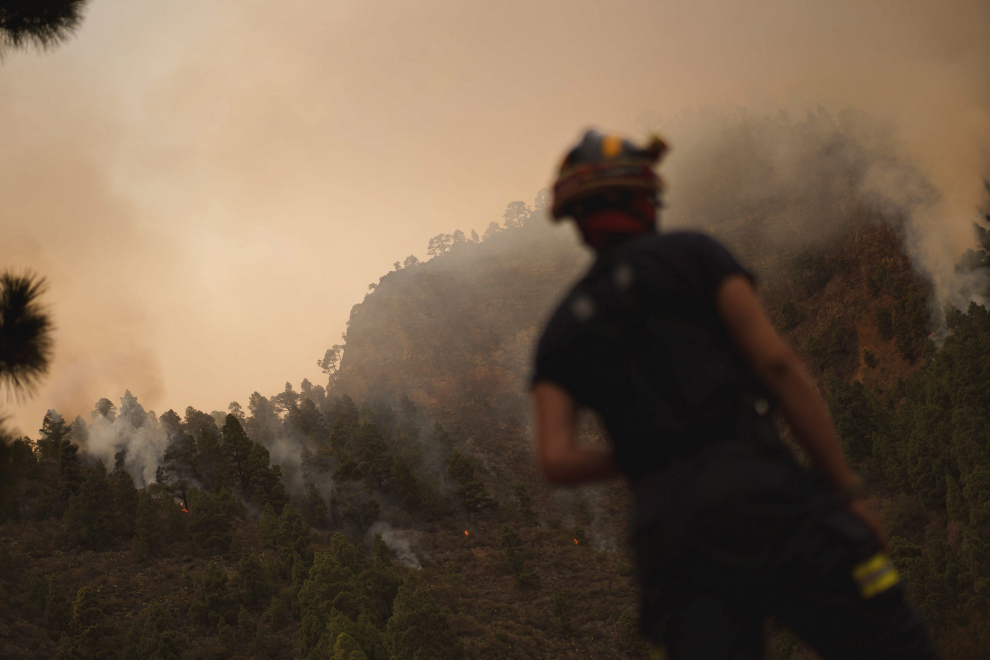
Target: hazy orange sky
210, 186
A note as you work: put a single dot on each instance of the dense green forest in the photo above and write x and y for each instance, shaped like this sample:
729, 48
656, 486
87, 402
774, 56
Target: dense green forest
383, 466
926, 448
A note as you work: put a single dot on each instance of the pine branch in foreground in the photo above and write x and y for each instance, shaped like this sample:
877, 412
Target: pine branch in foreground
43, 23
25, 332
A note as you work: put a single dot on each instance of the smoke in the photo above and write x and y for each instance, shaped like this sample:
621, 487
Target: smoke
287, 452
144, 447
132, 431
398, 541
771, 184
209, 189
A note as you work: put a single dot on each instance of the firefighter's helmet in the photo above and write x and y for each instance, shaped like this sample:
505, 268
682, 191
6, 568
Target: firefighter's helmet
601, 164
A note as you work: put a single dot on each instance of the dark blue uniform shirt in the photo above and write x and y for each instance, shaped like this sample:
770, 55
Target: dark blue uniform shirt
639, 341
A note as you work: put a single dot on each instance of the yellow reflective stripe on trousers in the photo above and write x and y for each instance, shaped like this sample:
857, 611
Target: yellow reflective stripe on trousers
875, 575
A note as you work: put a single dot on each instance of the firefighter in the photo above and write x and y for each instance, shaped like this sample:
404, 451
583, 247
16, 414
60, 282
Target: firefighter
665, 339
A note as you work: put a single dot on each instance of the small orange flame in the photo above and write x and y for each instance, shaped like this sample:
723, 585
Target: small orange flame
575, 542
466, 533
182, 505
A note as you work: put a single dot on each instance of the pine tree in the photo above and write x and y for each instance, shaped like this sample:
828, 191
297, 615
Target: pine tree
470, 489
53, 430
214, 601
88, 630
977, 494
58, 611
419, 628
180, 465
225, 636
293, 531
269, 528
360, 637
347, 648
905, 336
939, 432
384, 582
333, 586
25, 329
147, 529
209, 523
225, 500
252, 581
212, 462
955, 504
858, 417
247, 630
237, 447
315, 508
264, 479
380, 551
90, 518
56, 444
889, 455
153, 636
43, 24
125, 500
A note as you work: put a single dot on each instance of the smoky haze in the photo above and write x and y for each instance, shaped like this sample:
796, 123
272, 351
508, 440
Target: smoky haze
209, 189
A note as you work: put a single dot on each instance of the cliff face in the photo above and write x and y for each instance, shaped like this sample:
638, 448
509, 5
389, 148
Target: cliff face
457, 332
795, 201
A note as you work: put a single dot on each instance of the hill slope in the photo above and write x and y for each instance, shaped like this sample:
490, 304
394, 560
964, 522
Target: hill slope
401, 512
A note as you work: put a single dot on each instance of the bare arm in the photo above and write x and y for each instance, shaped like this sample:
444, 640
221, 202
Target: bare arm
561, 460
781, 370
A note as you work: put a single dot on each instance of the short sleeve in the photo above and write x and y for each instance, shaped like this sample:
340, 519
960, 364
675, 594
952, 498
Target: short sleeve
715, 263
550, 365
557, 359
547, 369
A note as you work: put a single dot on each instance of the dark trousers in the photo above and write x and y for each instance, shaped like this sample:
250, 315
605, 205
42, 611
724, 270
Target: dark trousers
736, 534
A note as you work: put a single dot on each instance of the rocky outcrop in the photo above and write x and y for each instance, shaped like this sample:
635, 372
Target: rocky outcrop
457, 332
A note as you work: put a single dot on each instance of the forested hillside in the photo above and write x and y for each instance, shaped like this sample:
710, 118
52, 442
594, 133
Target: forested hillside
395, 511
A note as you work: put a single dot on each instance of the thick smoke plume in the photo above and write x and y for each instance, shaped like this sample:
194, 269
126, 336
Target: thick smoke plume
789, 182
128, 433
